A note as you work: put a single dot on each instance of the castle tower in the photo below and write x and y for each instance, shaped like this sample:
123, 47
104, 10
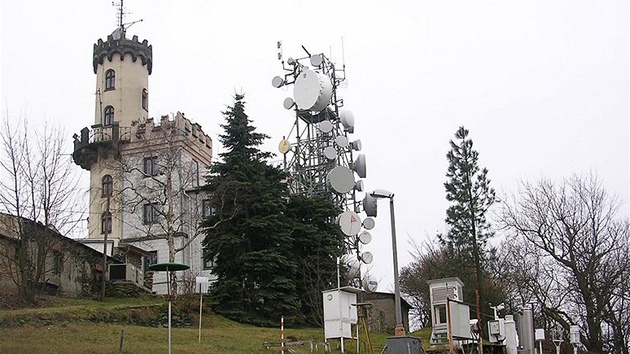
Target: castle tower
144, 173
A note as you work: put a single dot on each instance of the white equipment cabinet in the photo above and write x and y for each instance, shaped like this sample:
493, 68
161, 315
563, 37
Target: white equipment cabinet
339, 312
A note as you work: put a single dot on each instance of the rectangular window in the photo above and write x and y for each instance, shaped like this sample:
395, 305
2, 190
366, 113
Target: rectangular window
150, 259
151, 214
195, 174
206, 208
209, 263
151, 167
57, 259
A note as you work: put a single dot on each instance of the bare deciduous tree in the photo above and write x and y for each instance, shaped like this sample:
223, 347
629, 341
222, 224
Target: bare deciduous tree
574, 260
38, 182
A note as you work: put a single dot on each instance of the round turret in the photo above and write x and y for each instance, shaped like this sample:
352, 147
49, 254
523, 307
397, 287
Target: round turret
122, 67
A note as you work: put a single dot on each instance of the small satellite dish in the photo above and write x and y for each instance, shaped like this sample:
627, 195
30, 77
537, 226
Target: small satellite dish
284, 146
347, 120
288, 103
341, 179
359, 166
365, 237
369, 205
342, 141
350, 223
356, 145
312, 91
369, 284
359, 186
317, 60
330, 153
350, 263
277, 82
326, 126
367, 257
369, 223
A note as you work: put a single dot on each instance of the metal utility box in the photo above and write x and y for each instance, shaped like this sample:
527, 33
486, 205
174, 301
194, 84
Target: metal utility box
126, 273
404, 345
339, 312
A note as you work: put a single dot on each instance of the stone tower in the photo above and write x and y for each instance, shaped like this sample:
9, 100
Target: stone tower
144, 174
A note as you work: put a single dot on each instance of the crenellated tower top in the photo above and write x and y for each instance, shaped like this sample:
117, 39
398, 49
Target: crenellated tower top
118, 43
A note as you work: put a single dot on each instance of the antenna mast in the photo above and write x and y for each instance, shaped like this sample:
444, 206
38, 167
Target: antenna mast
120, 16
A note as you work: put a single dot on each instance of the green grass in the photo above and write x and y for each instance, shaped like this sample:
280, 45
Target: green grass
68, 326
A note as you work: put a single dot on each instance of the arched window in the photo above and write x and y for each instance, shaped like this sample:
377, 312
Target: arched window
110, 80
106, 222
109, 116
145, 99
107, 186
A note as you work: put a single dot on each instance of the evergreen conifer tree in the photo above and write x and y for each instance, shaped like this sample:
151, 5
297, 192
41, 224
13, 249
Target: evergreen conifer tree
248, 236
469, 191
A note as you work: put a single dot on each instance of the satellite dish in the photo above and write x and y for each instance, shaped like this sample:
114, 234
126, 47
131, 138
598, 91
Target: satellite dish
356, 145
365, 237
369, 223
284, 146
342, 141
350, 223
312, 91
277, 82
317, 60
359, 186
369, 205
340, 179
350, 263
326, 126
367, 257
288, 103
347, 120
330, 153
369, 284
359, 166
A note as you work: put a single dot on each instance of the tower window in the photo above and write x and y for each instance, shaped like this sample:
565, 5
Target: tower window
109, 116
150, 214
145, 99
106, 222
110, 80
107, 186
151, 167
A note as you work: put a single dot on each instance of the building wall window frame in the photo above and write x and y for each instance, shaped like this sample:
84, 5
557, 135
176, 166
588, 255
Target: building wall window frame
108, 118
209, 263
107, 186
150, 214
145, 99
106, 222
57, 262
150, 259
150, 166
110, 80
206, 208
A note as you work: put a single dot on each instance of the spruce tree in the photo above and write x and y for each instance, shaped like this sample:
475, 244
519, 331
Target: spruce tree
317, 243
470, 194
249, 236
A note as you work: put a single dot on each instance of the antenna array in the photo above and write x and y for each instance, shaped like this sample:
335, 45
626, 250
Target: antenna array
320, 157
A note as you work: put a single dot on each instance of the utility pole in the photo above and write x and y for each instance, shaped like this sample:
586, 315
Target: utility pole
106, 228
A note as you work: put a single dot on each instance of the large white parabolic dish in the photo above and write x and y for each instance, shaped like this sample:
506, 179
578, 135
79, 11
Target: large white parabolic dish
341, 179
312, 91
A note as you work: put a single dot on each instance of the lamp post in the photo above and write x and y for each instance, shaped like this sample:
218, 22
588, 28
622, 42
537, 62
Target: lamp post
399, 330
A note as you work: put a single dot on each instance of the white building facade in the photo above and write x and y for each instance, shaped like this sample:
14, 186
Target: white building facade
144, 173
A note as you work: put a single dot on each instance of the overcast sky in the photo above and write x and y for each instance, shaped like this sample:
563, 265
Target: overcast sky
541, 85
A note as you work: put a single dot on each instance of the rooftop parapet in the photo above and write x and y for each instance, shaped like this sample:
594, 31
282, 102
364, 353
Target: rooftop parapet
117, 43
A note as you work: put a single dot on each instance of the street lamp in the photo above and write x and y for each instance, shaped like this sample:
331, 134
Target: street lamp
370, 209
